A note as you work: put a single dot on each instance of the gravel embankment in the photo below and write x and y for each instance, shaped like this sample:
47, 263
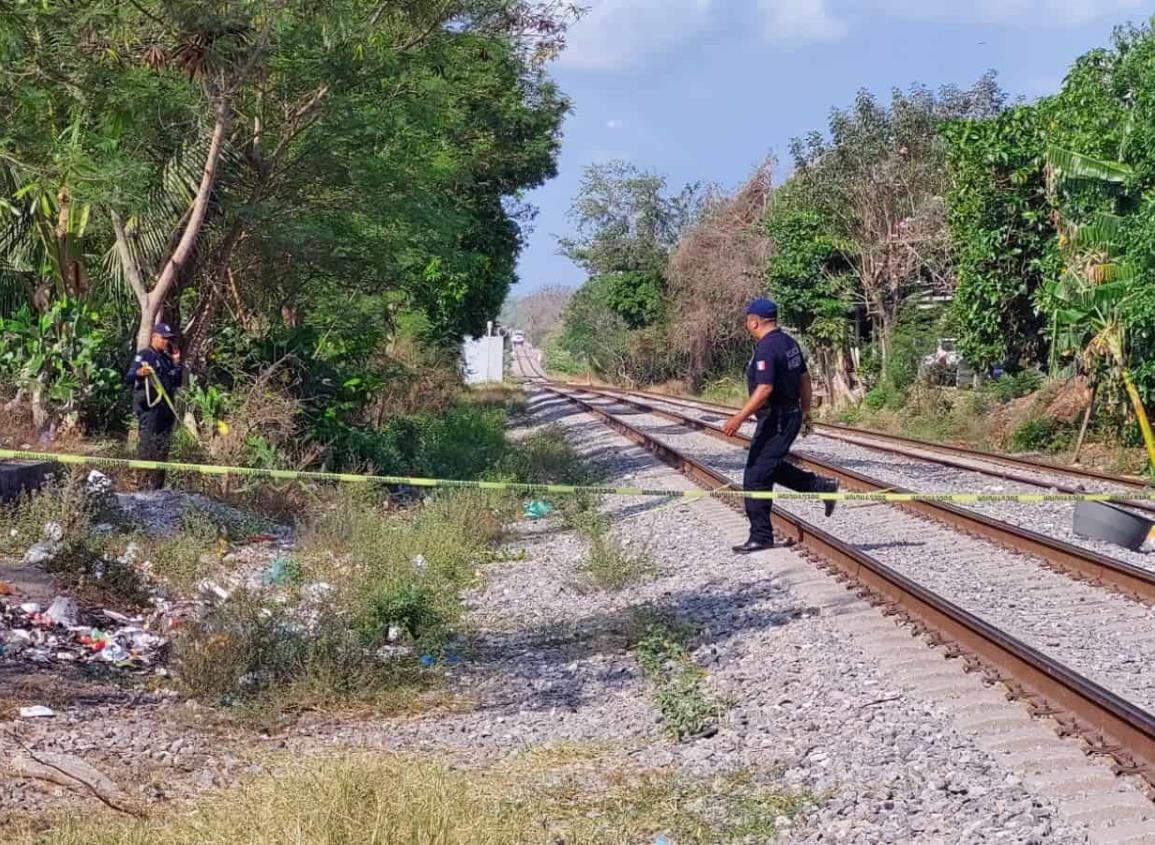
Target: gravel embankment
806, 702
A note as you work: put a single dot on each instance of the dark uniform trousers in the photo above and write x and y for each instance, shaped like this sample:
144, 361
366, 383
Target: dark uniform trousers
766, 466
156, 424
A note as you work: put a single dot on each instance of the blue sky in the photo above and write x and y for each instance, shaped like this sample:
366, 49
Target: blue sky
705, 89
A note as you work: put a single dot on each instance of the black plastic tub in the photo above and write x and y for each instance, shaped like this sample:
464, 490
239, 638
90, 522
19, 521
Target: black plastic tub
1101, 521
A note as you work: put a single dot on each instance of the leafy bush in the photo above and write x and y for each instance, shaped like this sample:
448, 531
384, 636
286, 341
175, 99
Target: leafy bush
248, 649
880, 397
66, 363
1016, 386
544, 457
678, 684
1041, 434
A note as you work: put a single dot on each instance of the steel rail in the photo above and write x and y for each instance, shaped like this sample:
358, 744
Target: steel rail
1127, 578
1111, 724
870, 440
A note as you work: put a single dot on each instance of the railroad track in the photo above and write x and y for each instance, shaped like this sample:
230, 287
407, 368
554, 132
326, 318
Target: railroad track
529, 369
1053, 650
1132, 580
1005, 467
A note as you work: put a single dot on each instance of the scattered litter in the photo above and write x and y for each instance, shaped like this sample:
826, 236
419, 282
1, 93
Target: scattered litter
63, 635
419, 562
63, 611
53, 532
37, 711
538, 509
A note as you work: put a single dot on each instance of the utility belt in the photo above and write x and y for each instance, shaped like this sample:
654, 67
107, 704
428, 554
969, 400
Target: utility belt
782, 411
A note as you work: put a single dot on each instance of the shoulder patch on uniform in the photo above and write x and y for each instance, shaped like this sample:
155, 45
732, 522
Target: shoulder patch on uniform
138, 358
761, 365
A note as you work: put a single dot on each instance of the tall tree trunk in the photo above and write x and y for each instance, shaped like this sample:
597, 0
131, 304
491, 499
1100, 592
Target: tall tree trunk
1086, 422
152, 301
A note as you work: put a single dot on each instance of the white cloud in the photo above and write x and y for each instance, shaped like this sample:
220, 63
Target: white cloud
1043, 13
800, 20
615, 34
619, 34
616, 123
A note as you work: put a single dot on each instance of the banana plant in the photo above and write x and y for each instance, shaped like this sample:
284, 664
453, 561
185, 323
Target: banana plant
1090, 299
42, 223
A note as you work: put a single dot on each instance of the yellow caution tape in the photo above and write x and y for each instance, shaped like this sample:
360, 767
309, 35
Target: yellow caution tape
569, 489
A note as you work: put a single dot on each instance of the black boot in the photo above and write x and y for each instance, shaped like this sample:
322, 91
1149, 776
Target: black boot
752, 546
827, 485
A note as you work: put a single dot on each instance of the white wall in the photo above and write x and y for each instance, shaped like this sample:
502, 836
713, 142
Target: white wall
484, 360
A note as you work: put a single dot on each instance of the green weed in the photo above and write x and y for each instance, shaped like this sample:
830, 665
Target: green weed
608, 564
678, 684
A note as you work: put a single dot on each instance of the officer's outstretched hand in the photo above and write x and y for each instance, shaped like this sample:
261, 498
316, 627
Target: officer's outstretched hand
731, 426
144, 370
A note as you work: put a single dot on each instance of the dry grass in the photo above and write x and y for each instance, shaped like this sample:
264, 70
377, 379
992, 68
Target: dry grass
561, 794
395, 576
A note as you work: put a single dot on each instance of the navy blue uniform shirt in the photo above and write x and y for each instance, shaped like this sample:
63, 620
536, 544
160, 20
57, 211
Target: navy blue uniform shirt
167, 371
778, 362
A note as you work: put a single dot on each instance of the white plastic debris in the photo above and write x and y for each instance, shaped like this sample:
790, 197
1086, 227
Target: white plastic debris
39, 553
211, 588
98, 483
53, 532
114, 652
63, 611
37, 711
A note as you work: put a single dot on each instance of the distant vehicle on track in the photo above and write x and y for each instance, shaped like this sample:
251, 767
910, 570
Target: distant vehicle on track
518, 338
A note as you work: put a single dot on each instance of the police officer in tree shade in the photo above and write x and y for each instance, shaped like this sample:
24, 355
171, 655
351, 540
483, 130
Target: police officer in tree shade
160, 362
780, 394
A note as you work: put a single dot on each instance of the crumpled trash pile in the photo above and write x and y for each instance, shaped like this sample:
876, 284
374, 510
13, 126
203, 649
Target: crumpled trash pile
56, 635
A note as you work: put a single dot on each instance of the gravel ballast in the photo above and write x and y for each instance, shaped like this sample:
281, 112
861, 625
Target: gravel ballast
807, 705
1104, 636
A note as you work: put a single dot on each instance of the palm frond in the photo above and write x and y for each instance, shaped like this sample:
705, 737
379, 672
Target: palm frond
154, 228
1073, 165
1103, 231
1114, 273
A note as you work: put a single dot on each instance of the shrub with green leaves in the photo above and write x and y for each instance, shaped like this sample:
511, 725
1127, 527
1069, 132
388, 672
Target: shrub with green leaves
66, 363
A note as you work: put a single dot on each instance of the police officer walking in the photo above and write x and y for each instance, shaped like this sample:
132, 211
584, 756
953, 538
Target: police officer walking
779, 387
155, 376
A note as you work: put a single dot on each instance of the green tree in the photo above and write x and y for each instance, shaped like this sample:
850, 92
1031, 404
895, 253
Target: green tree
879, 179
236, 151
1092, 301
1001, 234
810, 279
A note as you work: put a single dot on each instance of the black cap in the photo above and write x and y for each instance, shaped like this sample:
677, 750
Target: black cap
164, 330
767, 309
